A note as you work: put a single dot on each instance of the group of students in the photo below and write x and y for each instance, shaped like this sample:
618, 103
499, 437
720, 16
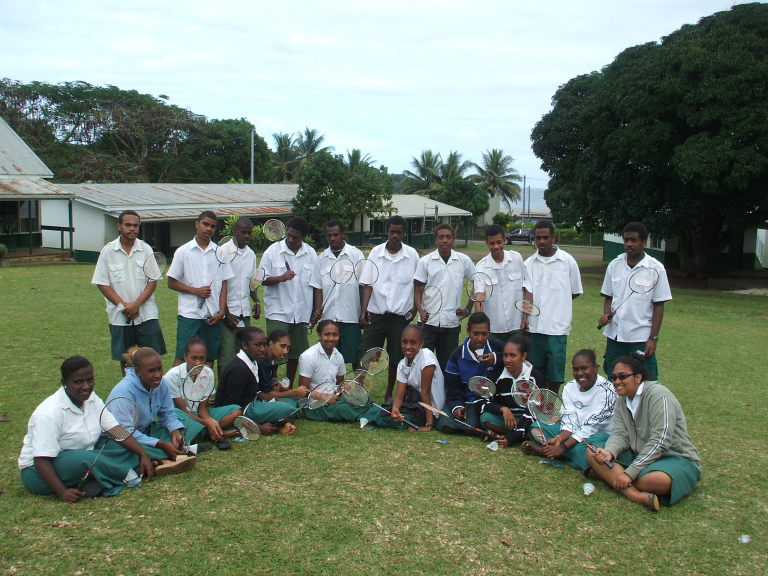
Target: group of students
645, 435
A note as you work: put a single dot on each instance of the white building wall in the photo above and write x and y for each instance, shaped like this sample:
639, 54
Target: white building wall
89, 223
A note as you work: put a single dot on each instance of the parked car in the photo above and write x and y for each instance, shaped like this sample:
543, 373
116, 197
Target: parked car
520, 235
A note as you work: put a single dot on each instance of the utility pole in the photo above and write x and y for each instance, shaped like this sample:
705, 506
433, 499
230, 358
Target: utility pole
253, 132
522, 212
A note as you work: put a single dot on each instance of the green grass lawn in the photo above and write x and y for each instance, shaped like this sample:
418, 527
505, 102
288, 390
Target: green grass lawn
334, 499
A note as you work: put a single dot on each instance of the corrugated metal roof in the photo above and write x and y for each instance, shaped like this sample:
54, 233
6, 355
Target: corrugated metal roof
184, 201
415, 206
18, 159
30, 189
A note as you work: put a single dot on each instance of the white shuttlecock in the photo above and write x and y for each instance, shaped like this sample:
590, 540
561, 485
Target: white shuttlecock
588, 488
492, 446
363, 422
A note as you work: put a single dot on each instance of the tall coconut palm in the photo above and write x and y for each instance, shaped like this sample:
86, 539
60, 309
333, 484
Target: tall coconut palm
497, 177
308, 144
355, 158
425, 177
286, 157
454, 167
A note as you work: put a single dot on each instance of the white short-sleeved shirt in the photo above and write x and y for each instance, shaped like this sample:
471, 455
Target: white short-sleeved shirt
393, 292
508, 279
554, 280
57, 425
411, 375
239, 286
316, 365
585, 414
196, 267
125, 274
342, 303
290, 301
632, 321
448, 277
175, 380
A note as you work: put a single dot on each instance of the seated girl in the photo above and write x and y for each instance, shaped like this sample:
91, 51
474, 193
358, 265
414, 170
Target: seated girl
160, 432
63, 437
419, 379
587, 415
322, 363
200, 418
246, 384
655, 460
501, 413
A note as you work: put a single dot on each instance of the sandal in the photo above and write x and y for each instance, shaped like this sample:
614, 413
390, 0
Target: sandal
531, 449
653, 503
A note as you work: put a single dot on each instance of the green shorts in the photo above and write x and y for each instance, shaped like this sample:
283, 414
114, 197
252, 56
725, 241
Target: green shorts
614, 350
349, 342
148, 333
187, 328
684, 473
296, 332
383, 327
548, 355
504, 336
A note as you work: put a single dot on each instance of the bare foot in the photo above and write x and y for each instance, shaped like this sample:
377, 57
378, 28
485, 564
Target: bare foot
287, 429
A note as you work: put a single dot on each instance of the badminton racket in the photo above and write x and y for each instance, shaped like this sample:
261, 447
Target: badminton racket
545, 407
357, 395
258, 278
641, 281
342, 271
431, 303
118, 419
479, 289
483, 433
248, 428
527, 307
521, 391
226, 251
198, 386
374, 361
153, 268
318, 397
482, 386
273, 230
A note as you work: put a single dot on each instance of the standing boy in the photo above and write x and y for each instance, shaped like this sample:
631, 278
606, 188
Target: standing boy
387, 304
130, 295
239, 293
445, 269
636, 324
509, 278
201, 282
555, 281
291, 288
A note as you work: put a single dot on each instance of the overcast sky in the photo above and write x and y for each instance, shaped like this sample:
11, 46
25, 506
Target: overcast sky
392, 78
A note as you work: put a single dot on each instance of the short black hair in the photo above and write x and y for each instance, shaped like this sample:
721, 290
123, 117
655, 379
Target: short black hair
128, 213
638, 227
333, 222
636, 363
545, 224
445, 226
244, 222
299, 224
478, 318
588, 353
208, 214
523, 344
494, 230
397, 220
72, 365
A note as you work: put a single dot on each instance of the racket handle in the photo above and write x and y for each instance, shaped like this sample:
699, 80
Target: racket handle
609, 464
610, 317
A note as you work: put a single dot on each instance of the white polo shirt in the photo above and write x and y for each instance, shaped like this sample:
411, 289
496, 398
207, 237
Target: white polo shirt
632, 321
57, 425
342, 303
239, 287
316, 365
448, 277
393, 292
554, 281
411, 375
508, 279
196, 267
290, 301
125, 274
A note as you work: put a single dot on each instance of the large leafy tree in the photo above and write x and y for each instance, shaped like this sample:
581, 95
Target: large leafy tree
332, 187
673, 133
465, 194
496, 177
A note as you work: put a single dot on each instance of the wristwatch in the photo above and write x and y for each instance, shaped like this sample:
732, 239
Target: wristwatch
654, 338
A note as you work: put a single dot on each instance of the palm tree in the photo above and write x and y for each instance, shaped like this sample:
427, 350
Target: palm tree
425, 179
454, 167
286, 157
355, 158
497, 177
307, 145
